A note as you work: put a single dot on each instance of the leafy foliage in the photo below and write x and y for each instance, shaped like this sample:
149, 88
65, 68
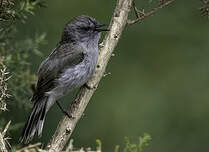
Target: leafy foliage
16, 53
15, 75
138, 147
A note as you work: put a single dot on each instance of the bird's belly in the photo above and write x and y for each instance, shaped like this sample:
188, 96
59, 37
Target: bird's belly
72, 78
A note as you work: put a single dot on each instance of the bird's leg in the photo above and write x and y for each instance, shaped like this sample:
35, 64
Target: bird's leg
64, 110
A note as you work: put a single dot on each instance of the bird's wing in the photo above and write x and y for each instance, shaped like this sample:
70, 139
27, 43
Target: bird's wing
64, 56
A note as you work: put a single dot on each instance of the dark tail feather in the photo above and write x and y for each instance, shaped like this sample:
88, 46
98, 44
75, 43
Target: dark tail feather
35, 121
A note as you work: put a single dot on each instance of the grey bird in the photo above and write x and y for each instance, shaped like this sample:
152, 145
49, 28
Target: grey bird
69, 66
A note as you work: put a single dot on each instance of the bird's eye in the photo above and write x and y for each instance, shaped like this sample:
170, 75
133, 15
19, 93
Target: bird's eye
86, 28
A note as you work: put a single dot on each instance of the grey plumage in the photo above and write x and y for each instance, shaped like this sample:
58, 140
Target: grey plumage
69, 66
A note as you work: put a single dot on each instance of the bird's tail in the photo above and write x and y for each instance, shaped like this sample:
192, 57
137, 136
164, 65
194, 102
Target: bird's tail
35, 120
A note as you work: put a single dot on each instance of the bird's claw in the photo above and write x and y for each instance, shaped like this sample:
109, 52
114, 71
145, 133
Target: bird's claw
88, 86
68, 115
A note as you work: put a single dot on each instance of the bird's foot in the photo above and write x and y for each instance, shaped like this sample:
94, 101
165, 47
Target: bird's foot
67, 114
64, 111
89, 87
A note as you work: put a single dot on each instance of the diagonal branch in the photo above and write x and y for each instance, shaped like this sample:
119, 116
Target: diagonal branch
118, 22
66, 125
142, 15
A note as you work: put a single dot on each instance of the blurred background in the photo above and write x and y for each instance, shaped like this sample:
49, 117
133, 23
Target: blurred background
159, 82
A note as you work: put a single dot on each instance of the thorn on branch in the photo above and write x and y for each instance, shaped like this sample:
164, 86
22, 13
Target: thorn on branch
101, 45
204, 10
106, 74
6, 128
4, 140
142, 13
135, 10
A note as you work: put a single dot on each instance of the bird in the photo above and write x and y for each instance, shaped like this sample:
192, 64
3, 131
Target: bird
68, 67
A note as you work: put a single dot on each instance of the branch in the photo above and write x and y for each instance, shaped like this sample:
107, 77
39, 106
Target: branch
66, 125
3, 140
140, 15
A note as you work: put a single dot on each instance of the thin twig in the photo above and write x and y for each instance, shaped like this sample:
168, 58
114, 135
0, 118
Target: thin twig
29, 147
70, 145
7, 142
136, 10
6, 128
145, 15
106, 74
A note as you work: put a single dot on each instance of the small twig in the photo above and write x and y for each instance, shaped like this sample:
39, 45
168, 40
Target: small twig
70, 145
205, 8
106, 74
29, 147
6, 128
144, 15
7, 142
136, 10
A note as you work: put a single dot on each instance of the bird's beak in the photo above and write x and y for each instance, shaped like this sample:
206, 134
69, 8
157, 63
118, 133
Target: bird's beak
98, 28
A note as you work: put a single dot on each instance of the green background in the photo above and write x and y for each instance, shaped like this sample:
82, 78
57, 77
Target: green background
159, 80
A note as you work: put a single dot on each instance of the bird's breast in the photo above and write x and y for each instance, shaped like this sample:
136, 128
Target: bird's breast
76, 76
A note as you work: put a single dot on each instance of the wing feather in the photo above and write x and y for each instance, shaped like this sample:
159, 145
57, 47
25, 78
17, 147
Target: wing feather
64, 56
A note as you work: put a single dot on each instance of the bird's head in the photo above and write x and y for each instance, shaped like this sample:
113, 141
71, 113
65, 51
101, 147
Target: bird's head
82, 28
